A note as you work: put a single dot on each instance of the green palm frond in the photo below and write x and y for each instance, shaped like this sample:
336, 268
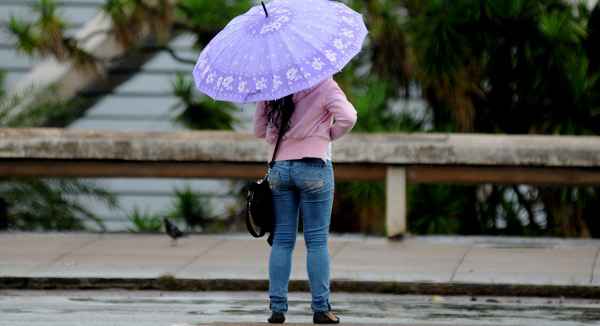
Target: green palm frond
52, 204
183, 88
45, 36
193, 208
129, 16
126, 19
50, 28
49, 15
201, 112
512, 10
144, 221
45, 110
562, 27
27, 40
438, 41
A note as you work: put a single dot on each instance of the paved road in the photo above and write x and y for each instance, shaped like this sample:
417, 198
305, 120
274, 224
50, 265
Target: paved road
153, 308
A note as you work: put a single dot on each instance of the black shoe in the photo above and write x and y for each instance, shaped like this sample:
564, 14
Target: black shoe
277, 318
325, 317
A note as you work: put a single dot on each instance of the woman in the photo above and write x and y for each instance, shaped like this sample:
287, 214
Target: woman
301, 179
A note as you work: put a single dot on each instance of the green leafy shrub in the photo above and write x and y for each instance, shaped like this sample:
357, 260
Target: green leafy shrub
53, 204
144, 222
193, 208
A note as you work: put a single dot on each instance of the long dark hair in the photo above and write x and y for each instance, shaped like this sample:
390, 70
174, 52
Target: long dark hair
280, 111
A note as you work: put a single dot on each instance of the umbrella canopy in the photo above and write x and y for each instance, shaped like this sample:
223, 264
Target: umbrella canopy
288, 46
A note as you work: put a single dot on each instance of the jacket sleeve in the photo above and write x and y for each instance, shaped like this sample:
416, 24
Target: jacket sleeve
260, 120
344, 113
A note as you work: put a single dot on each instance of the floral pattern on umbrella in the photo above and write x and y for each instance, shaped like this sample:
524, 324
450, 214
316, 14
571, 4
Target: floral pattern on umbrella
300, 43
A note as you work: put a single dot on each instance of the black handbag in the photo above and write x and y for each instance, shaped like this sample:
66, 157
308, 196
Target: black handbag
260, 217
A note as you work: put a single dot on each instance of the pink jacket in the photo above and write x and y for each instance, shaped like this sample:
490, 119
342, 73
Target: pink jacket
322, 114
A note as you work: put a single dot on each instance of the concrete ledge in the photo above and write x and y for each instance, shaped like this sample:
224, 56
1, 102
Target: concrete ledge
168, 283
389, 149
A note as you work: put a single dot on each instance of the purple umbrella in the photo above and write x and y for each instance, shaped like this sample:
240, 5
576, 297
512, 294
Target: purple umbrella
279, 49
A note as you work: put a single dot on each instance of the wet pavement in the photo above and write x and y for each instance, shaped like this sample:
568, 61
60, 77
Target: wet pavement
154, 308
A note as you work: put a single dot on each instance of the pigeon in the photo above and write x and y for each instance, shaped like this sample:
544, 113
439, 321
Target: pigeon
172, 231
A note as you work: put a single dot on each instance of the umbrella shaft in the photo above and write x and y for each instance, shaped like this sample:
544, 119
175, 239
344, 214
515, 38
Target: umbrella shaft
264, 8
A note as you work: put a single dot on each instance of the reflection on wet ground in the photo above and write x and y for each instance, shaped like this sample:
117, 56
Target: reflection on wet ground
144, 308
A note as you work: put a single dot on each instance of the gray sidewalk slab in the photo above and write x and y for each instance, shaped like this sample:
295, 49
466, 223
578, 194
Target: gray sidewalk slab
537, 265
124, 256
22, 253
410, 260
596, 274
430, 260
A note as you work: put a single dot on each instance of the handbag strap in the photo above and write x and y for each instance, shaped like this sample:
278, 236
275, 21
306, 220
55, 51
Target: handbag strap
249, 225
279, 136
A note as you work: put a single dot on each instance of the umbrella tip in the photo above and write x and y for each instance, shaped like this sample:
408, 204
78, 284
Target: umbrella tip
265, 9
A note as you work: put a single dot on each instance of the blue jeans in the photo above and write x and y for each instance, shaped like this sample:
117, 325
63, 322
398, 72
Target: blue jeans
301, 186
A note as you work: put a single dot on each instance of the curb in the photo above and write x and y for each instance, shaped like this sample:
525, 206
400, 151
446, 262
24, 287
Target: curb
170, 283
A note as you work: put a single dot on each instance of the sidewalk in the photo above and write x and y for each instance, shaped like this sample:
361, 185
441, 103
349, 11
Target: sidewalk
444, 265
